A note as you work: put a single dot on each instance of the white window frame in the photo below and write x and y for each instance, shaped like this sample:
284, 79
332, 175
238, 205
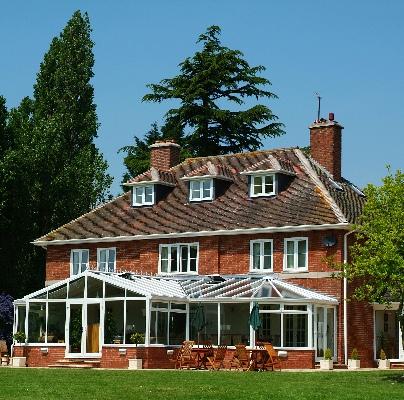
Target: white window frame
295, 268
108, 249
178, 246
80, 251
261, 263
263, 193
200, 183
143, 194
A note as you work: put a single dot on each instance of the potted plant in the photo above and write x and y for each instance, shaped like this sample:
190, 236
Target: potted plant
354, 362
136, 338
20, 338
384, 363
327, 363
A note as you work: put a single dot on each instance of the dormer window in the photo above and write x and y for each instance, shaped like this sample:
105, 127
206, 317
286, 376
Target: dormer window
262, 185
143, 195
200, 189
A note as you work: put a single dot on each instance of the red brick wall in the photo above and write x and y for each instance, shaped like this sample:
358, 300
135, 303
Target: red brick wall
35, 358
164, 155
217, 255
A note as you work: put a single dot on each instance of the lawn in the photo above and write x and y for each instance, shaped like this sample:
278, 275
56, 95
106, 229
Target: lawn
59, 384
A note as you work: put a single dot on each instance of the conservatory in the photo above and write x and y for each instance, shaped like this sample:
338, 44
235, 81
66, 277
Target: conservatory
95, 310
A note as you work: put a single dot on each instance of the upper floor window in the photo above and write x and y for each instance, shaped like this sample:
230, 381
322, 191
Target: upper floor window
78, 261
261, 255
295, 254
201, 189
262, 185
106, 259
178, 258
143, 195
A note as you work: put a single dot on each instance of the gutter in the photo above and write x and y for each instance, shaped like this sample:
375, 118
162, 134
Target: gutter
222, 232
345, 299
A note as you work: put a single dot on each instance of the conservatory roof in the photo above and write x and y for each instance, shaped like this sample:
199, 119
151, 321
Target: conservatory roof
200, 288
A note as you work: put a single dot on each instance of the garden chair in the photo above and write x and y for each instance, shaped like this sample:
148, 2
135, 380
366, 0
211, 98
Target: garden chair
4, 356
241, 358
187, 358
217, 361
176, 357
208, 352
273, 359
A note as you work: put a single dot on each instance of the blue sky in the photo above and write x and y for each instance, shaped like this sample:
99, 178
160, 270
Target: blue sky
350, 52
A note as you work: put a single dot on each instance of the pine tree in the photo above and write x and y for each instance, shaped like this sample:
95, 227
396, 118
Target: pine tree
211, 79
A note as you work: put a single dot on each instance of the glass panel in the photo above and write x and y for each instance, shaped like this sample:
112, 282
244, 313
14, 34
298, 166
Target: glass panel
102, 260
75, 328
330, 329
58, 293
158, 327
387, 333
184, 258
195, 190
234, 326
267, 255
114, 291
139, 195
207, 189
209, 330
175, 306
295, 307
270, 330
270, 307
295, 330
36, 323
113, 322
320, 332
257, 189
290, 247
93, 328
135, 318
84, 260
21, 311
193, 250
40, 296
76, 289
94, 288
111, 260
56, 322
148, 194
269, 184
174, 259
177, 327
256, 255
133, 294
290, 261
160, 305
301, 255
76, 262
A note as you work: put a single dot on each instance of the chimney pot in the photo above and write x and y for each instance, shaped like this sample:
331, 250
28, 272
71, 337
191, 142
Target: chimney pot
331, 116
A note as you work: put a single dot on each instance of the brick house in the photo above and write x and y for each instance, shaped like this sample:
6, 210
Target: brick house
218, 233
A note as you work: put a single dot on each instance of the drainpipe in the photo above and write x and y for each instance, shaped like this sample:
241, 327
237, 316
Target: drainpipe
345, 298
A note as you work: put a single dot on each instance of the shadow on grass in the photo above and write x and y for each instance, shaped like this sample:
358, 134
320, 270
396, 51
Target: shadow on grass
395, 378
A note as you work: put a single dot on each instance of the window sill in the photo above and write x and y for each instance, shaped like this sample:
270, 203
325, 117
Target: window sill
294, 271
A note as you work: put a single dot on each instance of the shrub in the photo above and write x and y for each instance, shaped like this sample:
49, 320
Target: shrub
382, 355
327, 354
136, 338
6, 318
19, 337
354, 354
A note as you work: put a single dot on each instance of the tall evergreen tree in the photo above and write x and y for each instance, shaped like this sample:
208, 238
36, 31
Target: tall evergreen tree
209, 83
53, 171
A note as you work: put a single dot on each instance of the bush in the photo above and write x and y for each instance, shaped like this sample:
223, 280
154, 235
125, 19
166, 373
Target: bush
19, 337
354, 354
136, 338
382, 355
6, 318
327, 354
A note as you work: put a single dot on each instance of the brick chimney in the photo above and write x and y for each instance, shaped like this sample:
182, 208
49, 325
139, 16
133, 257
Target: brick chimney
164, 154
325, 144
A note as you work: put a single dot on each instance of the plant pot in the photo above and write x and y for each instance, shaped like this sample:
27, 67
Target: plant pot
326, 365
135, 363
354, 364
384, 364
19, 361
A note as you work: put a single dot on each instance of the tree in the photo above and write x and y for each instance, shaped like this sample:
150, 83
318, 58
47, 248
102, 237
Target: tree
211, 85
52, 172
377, 264
6, 318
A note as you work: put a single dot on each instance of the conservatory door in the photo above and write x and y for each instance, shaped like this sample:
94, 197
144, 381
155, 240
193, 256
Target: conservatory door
83, 329
324, 331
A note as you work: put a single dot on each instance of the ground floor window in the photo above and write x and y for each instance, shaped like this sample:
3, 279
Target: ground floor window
387, 334
208, 331
234, 326
56, 322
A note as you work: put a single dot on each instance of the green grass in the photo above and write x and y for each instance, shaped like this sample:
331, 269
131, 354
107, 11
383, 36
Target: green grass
59, 384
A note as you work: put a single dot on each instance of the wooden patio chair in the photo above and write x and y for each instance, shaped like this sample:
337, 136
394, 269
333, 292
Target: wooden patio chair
273, 360
176, 357
207, 346
187, 358
217, 361
4, 356
241, 358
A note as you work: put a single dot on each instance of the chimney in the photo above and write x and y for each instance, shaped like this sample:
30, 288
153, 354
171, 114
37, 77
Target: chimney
325, 144
164, 154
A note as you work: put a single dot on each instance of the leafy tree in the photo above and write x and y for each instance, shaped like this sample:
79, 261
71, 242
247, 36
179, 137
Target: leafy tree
211, 85
377, 265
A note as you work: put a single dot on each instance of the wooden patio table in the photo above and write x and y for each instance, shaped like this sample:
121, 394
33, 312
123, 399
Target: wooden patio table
257, 355
201, 353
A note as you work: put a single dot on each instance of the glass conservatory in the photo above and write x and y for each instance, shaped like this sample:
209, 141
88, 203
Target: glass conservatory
96, 309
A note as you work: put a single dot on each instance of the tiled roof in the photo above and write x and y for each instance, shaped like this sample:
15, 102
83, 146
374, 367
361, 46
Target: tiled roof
153, 175
307, 198
271, 163
212, 170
